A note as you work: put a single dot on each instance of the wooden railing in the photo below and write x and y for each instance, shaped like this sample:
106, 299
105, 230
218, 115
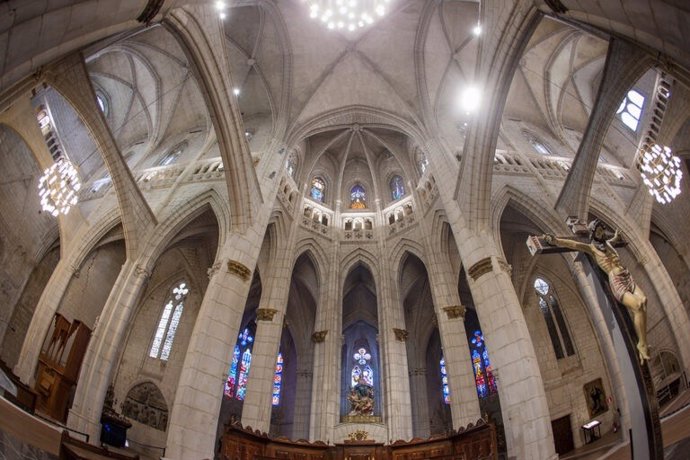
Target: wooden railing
474, 442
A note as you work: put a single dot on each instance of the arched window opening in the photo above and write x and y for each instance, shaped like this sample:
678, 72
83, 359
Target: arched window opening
422, 163
630, 110
555, 321
236, 384
172, 156
318, 190
291, 165
167, 325
483, 372
358, 197
444, 381
278, 380
102, 102
397, 187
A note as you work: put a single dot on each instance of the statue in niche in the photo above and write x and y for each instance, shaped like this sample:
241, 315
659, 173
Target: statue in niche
622, 285
361, 398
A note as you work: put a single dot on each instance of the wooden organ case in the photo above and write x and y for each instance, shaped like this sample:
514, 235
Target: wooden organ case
59, 364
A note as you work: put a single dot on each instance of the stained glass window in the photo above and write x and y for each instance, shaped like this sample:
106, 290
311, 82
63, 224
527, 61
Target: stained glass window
278, 380
318, 190
232, 375
484, 378
358, 197
397, 187
167, 325
362, 370
630, 110
555, 321
236, 384
444, 381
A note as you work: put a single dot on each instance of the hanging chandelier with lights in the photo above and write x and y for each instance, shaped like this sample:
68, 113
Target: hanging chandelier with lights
661, 172
58, 187
347, 14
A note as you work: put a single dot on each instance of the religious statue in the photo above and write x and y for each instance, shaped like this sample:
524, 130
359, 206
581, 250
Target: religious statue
622, 285
361, 398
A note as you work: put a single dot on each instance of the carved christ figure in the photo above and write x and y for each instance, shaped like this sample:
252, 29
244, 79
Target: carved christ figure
624, 288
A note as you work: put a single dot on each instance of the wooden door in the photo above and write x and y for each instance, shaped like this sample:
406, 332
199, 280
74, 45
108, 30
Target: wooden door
562, 435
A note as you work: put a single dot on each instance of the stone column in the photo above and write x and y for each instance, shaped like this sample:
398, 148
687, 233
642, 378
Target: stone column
256, 411
104, 348
625, 64
397, 409
420, 404
70, 78
301, 417
523, 400
325, 398
195, 411
42, 319
450, 314
605, 342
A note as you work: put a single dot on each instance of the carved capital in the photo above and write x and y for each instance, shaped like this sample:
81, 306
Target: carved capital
213, 269
400, 334
455, 311
265, 314
141, 272
505, 266
240, 270
359, 435
319, 336
482, 267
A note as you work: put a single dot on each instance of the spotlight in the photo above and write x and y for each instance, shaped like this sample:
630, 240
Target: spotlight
477, 30
236, 91
470, 99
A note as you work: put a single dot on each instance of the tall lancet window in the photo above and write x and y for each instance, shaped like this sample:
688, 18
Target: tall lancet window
555, 321
444, 381
167, 325
397, 187
318, 190
278, 380
484, 378
236, 384
358, 197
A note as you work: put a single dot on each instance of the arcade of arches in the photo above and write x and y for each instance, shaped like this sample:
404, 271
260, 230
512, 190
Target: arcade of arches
301, 229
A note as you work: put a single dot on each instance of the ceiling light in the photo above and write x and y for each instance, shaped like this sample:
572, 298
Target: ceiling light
470, 99
477, 30
222, 16
58, 187
347, 14
236, 91
220, 5
661, 173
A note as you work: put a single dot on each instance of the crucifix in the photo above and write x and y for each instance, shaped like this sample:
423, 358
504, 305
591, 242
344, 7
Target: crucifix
615, 287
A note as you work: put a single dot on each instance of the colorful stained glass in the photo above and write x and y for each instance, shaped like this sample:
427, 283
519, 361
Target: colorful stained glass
397, 187
318, 190
362, 370
484, 378
232, 375
244, 374
236, 385
358, 197
278, 380
444, 381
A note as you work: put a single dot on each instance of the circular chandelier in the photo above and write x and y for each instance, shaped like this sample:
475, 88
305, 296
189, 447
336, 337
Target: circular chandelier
58, 187
661, 172
347, 14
